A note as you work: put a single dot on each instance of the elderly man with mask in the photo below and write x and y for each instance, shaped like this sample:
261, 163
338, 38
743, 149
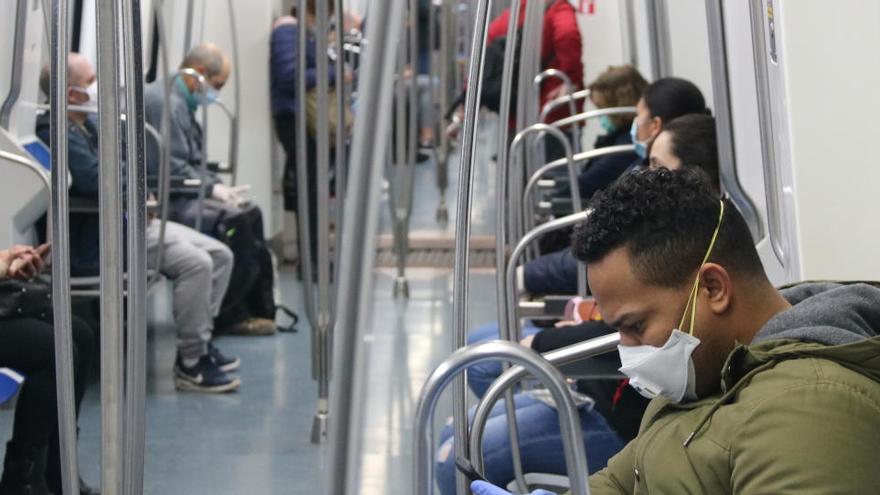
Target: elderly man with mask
249, 306
198, 266
754, 390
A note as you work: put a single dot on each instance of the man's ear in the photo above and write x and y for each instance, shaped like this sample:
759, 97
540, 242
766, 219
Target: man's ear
656, 124
716, 287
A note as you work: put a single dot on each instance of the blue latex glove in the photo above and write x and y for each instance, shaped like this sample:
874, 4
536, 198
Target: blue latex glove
484, 488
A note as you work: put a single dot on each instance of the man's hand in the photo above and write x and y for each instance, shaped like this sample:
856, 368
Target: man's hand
483, 488
232, 196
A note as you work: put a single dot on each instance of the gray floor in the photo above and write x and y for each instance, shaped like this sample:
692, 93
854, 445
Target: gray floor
257, 440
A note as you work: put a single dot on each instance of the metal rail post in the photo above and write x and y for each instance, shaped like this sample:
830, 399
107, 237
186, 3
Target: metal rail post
59, 220
136, 342
569, 421
111, 249
372, 125
324, 323
236, 95
463, 225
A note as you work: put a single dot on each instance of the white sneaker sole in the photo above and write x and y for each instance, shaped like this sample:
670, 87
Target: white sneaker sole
185, 385
233, 366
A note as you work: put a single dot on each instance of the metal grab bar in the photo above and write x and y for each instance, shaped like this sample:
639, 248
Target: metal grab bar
136, 342
592, 114
558, 357
528, 211
236, 95
18, 40
572, 108
569, 421
553, 104
510, 272
372, 124
59, 221
463, 222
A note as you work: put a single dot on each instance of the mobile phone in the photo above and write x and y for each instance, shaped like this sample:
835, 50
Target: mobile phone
466, 468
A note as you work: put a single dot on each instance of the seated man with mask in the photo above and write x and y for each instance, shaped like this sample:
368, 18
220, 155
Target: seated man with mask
197, 265
754, 390
248, 307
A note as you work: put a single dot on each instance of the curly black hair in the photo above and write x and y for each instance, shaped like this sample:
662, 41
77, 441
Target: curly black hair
666, 219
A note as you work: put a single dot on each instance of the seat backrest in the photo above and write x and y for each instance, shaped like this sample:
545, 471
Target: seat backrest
24, 193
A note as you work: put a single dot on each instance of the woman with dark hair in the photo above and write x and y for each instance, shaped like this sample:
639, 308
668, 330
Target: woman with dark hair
663, 100
688, 141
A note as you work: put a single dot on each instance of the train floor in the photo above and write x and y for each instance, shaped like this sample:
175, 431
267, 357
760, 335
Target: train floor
258, 439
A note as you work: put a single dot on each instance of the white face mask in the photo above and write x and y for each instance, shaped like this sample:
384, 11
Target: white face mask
92, 92
668, 370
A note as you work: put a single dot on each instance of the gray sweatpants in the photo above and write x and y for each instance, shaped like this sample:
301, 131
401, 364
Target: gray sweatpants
199, 268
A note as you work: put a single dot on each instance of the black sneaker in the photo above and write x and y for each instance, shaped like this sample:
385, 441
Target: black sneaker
224, 362
204, 377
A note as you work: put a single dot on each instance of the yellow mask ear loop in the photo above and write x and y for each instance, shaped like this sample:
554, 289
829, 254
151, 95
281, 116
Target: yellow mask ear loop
692, 299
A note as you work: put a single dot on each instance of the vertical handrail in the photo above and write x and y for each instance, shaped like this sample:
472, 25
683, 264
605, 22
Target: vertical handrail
557, 357
323, 222
342, 103
446, 86
136, 342
724, 120
371, 127
302, 172
188, 26
772, 182
110, 217
463, 225
165, 165
236, 94
59, 220
18, 40
569, 420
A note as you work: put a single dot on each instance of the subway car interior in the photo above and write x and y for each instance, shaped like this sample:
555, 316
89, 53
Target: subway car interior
484, 247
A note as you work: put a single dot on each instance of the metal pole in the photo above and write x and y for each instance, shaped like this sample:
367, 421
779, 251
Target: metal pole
510, 273
18, 40
236, 95
342, 103
372, 125
165, 164
463, 226
319, 426
60, 250
569, 420
447, 85
188, 27
558, 357
303, 215
110, 217
136, 342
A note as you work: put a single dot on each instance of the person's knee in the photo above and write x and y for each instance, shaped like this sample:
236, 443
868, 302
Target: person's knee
196, 262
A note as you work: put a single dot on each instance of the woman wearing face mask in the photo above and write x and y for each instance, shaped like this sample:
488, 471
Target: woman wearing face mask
661, 102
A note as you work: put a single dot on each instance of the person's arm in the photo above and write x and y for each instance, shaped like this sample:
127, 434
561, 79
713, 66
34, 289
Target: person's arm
556, 338
83, 166
818, 438
617, 478
284, 53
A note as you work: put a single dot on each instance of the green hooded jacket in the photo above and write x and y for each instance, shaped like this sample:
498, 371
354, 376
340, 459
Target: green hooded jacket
798, 411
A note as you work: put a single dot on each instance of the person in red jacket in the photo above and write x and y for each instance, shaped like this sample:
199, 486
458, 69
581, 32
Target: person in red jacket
561, 47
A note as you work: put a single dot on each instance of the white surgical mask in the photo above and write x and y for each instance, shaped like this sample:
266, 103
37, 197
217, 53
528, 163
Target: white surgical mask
92, 92
668, 370
641, 146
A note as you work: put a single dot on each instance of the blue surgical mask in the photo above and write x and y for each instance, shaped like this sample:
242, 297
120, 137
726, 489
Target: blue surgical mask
641, 147
606, 124
209, 96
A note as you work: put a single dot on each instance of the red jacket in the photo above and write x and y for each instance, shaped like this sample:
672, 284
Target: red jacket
560, 46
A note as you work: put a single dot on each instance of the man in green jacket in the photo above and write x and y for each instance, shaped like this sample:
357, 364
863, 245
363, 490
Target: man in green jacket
756, 391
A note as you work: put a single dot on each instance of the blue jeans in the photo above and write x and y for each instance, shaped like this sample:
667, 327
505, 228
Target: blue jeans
481, 375
540, 443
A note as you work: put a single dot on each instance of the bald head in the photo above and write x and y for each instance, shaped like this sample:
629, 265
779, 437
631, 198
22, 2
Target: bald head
208, 60
80, 74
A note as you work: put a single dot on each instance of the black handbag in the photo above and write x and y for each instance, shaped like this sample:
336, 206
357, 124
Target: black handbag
25, 299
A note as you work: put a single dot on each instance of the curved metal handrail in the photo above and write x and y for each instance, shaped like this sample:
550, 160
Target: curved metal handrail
558, 357
510, 274
569, 97
592, 114
560, 162
553, 104
569, 421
